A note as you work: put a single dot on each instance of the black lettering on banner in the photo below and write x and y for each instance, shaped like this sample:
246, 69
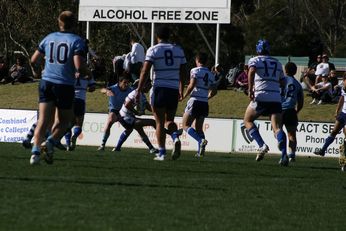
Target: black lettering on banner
110, 14
96, 14
188, 15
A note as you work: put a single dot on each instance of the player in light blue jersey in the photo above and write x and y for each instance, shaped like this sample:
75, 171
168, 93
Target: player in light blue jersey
265, 81
169, 71
81, 88
64, 54
202, 87
293, 101
117, 94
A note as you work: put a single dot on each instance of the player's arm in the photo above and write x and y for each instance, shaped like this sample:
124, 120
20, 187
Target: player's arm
81, 66
300, 101
190, 87
143, 76
183, 74
130, 106
212, 92
251, 80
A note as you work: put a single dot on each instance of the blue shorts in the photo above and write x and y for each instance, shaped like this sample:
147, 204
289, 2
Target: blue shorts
197, 108
290, 118
115, 111
61, 94
163, 97
341, 118
79, 107
266, 108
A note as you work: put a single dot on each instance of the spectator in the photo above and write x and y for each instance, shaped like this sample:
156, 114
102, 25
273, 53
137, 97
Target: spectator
332, 78
241, 81
3, 70
322, 69
309, 75
19, 72
325, 59
220, 77
322, 92
137, 56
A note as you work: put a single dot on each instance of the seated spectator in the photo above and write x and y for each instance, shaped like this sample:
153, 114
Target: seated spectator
322, 91
220, 77
322, 69
241, 81
332, 78
3, 70
309, 76
19, 73
325, 59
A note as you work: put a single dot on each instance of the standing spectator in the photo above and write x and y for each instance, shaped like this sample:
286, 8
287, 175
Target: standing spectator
3, 70
322, 92
19, 73
137, 57
265, 81
65, 61
169, 73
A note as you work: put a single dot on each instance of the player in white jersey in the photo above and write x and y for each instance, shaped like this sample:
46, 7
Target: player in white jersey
130, 121
265, 81
169, 70
81, 88
340, 122
202, 87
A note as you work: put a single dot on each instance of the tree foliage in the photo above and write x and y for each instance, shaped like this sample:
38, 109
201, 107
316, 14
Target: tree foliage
298, 28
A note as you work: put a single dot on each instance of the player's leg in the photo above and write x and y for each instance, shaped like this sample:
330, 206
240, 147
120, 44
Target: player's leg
139, 124
290, 120
276, 121
339, 124
172, 130
79, 111
112, 118
27, 141
199, 129
159, 115
250, 116
128, 124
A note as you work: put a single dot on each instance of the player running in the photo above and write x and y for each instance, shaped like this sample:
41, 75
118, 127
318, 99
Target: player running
201, 88
64, 52
169, 70
117, 94
293, 101
81, 87
340, 122
265, 80
130, 121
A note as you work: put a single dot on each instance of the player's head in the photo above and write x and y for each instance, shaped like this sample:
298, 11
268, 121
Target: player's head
262, 47
201, 58
66, 21
163, 32
124, 82
132, 39
290, 69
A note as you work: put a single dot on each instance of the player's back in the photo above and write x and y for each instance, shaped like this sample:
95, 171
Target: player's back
267, 78
166, 59
204, 80
59, 49
292, 92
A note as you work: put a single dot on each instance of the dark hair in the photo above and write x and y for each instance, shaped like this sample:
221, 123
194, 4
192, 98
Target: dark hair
202, 57
123, 77
163, 32
291, 68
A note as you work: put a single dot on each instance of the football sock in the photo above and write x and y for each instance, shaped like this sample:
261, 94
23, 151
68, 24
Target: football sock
174, 135
68, 137
51, 140
328, 142
123, 137
105, 138
192, 132
281, 137
162, 151
147, 142
202, 137
35, 150
31, 131
77, 131
254, 133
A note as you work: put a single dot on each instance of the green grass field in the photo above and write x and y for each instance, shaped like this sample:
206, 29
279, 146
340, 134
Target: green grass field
88, 190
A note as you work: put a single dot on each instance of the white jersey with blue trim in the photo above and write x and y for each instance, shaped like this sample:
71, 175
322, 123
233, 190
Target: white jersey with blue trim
124, 112
81, 87
204, 81
343, 93
267, 78
166, 59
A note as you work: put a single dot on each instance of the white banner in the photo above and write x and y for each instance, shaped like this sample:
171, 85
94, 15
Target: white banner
167, 11
218, 132
309, 137
15, 124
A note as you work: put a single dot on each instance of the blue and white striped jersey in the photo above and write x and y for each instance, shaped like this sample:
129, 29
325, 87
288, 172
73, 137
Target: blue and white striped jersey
267, 78
204, 81
343, 93
124, 112
59, 49
166, 59
292, 92
116, 101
